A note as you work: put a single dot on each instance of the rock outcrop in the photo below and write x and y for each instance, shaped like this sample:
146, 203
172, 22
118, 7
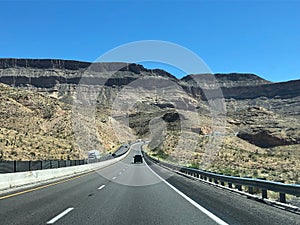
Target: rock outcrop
240, 92
259, 137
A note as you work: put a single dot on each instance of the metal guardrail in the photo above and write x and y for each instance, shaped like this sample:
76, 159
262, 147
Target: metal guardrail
238, 182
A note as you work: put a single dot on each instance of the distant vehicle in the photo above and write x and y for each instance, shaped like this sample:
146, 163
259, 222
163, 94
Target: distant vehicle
137, 159
93, 156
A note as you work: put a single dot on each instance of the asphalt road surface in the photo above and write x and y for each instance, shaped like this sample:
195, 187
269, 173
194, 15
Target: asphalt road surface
127, 193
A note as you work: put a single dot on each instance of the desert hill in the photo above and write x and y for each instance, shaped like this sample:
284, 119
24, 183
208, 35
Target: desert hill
255, 127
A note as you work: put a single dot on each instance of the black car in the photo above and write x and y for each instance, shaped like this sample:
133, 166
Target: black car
137, 159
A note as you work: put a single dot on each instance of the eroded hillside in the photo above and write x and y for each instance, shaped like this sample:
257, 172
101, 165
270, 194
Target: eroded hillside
238, 124
37, 127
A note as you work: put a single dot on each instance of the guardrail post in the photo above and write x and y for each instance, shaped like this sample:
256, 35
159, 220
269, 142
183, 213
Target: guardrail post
222, 182
216, 181
229, 183
264, 192
250, 189
282, 197
239, 187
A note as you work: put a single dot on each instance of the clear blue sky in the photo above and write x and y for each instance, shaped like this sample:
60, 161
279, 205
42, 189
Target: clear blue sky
261, 37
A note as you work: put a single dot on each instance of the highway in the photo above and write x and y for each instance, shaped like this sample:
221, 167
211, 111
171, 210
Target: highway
127, 193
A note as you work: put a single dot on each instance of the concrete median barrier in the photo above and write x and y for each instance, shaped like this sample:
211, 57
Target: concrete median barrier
11, 180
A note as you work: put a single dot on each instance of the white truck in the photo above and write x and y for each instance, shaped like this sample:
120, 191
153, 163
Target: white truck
93, 156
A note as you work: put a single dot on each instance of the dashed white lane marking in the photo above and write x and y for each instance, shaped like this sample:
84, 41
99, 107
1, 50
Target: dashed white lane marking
201, 208
120, 173
124, 169
60, 216
114, 178
101, 187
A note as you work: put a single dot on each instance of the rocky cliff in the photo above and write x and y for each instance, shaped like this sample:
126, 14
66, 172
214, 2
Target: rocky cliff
262, 129
50, 73
239, 90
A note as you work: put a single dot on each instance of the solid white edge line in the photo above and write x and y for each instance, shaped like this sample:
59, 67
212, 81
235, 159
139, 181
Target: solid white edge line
60, 216
101, 187
201, 208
